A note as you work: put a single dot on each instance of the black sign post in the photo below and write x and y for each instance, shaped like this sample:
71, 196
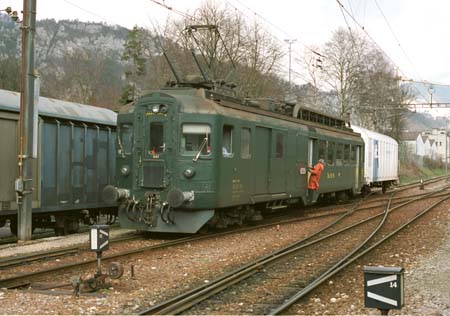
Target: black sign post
99, 241
383, 288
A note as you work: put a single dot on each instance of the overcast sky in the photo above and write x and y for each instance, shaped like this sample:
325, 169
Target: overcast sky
420, 46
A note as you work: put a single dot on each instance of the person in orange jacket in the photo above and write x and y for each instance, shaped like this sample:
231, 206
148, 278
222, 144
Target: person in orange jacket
313, 184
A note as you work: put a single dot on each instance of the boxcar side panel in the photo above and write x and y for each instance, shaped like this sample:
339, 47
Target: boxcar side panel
9, 130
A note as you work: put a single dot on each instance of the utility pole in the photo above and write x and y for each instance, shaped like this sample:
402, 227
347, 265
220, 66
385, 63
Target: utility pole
431, 91
290, 42
28, 119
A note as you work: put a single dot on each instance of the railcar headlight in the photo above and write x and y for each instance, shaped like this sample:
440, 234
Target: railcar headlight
155, 108
125, 170
189, 173
163, 108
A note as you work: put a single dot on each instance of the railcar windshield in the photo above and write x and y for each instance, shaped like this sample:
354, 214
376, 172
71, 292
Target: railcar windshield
156, 137
125, 139
196, 138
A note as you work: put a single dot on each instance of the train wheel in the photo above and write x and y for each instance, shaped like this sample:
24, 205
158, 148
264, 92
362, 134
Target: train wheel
384, 187
365, 190
341, 196
66, 225
13, 226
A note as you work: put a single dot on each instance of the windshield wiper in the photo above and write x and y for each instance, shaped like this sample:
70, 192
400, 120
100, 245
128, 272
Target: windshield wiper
204, 142
122, 152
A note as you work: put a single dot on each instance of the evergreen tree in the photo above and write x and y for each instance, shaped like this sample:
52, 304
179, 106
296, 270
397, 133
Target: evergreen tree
136, 54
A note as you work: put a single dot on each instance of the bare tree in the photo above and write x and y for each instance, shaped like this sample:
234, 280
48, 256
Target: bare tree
83, 76
342, 67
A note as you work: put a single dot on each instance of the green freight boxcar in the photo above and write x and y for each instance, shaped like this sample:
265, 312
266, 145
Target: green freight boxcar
75, 161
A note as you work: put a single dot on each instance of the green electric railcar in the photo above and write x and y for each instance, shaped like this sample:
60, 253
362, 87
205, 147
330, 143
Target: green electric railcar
190, 156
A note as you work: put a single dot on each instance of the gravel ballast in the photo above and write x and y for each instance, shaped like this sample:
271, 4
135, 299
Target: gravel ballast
423, 251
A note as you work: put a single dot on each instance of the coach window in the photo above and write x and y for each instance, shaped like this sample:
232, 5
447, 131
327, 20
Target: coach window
279, 150
346, 154
156, 137
339, 154
245, 143
322, 149
330, 153
227, 141
125, 140
196, 138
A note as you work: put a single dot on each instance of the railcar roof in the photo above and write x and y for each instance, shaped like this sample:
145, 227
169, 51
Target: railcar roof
10, 101
373, 135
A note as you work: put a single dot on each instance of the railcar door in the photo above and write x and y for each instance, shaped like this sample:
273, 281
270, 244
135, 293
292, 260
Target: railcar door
357, 156
277, 168
312, 158
375, 160
155, 127
262, 155
312, 152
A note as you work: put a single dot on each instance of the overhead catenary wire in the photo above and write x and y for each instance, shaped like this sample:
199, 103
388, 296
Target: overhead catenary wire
90, 12
396, 39
343, 9
288, 35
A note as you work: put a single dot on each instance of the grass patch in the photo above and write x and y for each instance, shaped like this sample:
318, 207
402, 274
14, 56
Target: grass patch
410, 172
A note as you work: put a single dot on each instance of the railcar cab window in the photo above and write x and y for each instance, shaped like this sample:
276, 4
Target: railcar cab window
156, 138
227, 141
125, 140
196, 139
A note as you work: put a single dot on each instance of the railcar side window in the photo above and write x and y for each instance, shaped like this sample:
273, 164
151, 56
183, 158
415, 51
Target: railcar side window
156, 137
279, 150
245, 143
339, 154
125, 139
346, 154
227, 141
330, 153
322, 149
195, 138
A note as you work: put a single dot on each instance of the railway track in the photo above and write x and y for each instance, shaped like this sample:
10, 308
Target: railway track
311, 214
27, 278
5, 241
185, 302
55, 253
77, 249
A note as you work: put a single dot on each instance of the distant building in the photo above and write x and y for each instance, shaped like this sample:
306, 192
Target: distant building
441, 143
408, 142
422, 145
430, 144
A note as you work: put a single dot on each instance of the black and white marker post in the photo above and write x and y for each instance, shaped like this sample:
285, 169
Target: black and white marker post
383, 288
99, 240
